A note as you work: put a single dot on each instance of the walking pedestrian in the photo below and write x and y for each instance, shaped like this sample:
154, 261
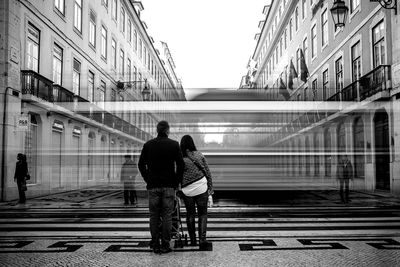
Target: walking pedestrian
20, 176
197, 190
344, 174
128, 174
161, 166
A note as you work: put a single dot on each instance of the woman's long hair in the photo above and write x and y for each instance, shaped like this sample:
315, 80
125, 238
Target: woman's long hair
187, 143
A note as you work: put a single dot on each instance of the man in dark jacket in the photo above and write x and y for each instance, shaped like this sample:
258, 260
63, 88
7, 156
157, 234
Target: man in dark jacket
128, 174
161, 165
344, 174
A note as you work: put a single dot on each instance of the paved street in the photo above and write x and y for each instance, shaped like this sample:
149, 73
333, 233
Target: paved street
67, 230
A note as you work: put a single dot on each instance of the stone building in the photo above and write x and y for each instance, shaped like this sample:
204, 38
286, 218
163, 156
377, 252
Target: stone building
348, 75
71, 75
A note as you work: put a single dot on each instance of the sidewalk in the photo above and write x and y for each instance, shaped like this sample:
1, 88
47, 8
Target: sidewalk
112, 197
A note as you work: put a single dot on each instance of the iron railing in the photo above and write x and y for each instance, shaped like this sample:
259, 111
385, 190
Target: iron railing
37, 85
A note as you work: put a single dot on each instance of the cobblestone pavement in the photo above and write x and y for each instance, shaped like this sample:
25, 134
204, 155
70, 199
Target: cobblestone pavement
371, 251
91, 227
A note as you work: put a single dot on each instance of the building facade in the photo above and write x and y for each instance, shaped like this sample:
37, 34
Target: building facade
62, 66
349, 76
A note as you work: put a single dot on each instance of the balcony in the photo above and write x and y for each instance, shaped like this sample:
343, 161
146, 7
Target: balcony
35, 84
376, 81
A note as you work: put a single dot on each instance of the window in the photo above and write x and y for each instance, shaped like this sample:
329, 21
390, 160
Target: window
129, 69
353, 5
78, 15
303, 9
113, 95
135, 39
121, 62
314, 89
378, 40
76, 77
31, 148
104, 3
339, 74
103, 42
356, 61
122, 22
306, 94
148, 60
129, 30
114, 9
298, 60
280, 46
314, 41
325, 84
114, 53
324, 29
57, 64
92, 28
102, 94
285, 38
291, 29
296, 18
134, 76
305, 48
32, 47
90, 86
145, 56
140, 48
59, 5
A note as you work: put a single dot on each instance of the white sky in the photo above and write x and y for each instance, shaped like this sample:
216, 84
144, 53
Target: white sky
210, 41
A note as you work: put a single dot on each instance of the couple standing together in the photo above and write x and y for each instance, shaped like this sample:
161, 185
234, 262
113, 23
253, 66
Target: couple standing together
164, 165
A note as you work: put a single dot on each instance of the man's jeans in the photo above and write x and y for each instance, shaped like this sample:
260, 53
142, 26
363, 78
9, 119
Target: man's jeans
161, 206
344, 190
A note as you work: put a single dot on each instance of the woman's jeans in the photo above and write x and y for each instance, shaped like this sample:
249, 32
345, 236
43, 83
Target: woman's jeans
161, 207
201, 202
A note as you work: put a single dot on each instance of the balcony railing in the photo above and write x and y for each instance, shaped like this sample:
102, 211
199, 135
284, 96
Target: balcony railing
368, 85
35, 84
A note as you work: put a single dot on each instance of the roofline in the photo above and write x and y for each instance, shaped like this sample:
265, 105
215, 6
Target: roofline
265, 23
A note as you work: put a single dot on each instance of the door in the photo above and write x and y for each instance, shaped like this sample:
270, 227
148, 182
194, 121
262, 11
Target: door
56, 159
75, 160
382, 156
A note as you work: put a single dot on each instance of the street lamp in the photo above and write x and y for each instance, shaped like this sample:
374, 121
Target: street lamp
146, 92
339, 13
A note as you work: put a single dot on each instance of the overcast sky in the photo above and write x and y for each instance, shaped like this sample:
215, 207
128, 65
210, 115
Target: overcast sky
211, 41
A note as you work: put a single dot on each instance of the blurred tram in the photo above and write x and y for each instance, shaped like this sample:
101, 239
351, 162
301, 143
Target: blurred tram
262, 171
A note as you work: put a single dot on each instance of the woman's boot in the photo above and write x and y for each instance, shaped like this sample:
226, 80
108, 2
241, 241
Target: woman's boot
203, 243
192, 230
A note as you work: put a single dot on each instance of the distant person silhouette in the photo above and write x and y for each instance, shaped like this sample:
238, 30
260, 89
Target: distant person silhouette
161, 166
20, 176
128, 174
344, 174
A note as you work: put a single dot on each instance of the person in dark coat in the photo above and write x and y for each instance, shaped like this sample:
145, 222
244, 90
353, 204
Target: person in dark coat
21, 171
197, 190
344, 174
128, 174
161, 166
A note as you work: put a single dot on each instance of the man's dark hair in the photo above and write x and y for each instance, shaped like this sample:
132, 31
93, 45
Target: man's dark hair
187, 143
163, 127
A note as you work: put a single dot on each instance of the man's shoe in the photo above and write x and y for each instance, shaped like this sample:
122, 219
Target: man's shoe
157, 250
166, 250
205, 246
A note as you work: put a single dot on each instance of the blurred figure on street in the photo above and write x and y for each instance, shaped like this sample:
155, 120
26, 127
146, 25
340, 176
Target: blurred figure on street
20, 176
197, 190
161, 166
344, 174
128, 174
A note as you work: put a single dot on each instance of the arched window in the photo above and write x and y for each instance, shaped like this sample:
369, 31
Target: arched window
316, 155
307, 155
328, 152
91, 155
341, 139
359, 151
31, 148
